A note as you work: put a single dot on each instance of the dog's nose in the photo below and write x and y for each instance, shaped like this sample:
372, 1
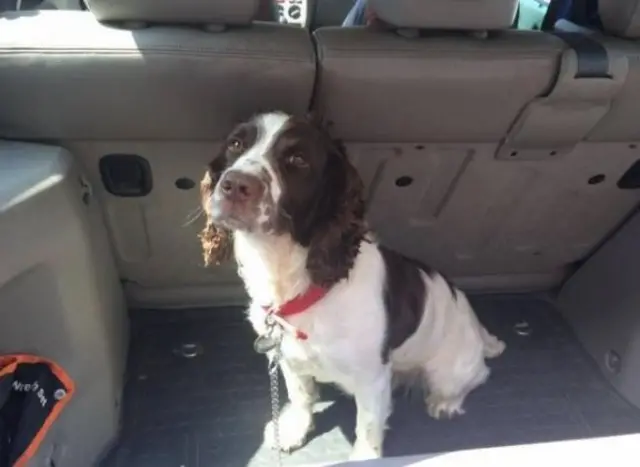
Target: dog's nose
239, 186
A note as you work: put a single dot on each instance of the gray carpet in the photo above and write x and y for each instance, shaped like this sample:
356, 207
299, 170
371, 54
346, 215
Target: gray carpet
210, 410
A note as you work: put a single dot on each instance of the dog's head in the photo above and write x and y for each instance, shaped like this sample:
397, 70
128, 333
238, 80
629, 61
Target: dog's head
276, 175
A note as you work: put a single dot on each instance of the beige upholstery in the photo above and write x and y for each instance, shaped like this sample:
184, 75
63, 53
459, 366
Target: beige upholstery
168, 94
176, 11
479, 151
65, 76
155, 237
438, 88
60, 296
620, 17
447, 110
447, 14
601, 301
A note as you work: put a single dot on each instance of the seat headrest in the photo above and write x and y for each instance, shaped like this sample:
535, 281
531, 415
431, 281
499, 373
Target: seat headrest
228, 12
471, 15
620, 17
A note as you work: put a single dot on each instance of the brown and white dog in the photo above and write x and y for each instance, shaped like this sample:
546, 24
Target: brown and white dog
283, 197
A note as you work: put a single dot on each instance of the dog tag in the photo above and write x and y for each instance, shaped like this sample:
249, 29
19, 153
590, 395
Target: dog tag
264, 344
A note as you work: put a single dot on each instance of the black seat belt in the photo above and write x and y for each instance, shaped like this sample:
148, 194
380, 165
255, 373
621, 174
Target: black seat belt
593, 58
551, 16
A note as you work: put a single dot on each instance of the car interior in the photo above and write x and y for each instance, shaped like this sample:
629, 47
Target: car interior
503, 153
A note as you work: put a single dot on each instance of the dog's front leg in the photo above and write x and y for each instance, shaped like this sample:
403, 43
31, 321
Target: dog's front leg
373, 403
296, 418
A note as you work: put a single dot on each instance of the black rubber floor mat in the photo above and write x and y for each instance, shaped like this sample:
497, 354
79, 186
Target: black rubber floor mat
210, 410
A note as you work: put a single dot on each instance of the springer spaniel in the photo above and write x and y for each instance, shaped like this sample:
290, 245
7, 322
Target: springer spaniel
284, 199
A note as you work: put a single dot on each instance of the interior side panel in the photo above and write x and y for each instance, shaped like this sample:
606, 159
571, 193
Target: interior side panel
60, 297
155, 236
601, 303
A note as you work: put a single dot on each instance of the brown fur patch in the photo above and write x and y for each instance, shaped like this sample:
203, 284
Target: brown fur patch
335, 243
217, 245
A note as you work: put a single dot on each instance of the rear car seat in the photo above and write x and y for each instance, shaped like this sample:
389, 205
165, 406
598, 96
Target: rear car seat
472, 138
600, 300
158, 84
621, 18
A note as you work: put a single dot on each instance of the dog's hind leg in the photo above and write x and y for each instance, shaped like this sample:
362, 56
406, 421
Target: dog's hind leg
447, 391
457, 365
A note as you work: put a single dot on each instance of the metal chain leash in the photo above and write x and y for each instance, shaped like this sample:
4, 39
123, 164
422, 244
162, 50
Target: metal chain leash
270, 344
274, 388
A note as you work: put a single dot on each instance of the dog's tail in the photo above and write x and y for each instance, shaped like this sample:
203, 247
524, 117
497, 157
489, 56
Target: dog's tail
493, 346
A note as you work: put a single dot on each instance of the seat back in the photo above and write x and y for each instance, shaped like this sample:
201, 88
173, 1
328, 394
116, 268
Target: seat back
472, 138
599, 301
158, 85
621, 18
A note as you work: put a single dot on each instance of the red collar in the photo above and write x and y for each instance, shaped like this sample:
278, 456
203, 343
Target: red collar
299, 304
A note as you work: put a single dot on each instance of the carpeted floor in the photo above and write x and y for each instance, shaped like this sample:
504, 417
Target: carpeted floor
210, 410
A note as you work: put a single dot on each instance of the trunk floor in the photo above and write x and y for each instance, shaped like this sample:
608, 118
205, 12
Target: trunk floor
211, 409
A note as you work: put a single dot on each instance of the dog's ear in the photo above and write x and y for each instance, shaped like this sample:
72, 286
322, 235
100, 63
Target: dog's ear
335, 241
216, 241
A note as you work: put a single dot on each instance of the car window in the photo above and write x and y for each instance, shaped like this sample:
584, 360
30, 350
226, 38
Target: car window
531, 13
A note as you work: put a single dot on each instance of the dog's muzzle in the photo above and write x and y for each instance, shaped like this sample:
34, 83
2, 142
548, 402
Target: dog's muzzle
237, 199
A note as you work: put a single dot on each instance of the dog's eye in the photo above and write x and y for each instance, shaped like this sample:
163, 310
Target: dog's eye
235, 145
297, 160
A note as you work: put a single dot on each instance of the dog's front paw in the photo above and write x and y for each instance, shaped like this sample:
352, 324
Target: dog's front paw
363, 451
294, 425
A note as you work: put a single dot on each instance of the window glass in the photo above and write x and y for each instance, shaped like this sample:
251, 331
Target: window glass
532, 13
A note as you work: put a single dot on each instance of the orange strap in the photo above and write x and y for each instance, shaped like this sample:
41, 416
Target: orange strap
8, 365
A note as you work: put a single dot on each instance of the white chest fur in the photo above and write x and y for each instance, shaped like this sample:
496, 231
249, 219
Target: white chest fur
311, 357
345, 328
344, 337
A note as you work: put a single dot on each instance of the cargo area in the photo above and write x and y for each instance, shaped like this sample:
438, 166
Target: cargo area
182, 385
210, 409
497, 147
